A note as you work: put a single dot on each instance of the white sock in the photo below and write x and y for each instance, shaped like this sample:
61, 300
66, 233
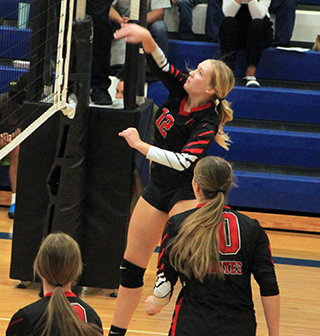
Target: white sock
13, 198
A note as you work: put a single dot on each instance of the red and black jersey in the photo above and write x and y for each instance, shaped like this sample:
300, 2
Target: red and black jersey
179, 131
222, 307
25, 322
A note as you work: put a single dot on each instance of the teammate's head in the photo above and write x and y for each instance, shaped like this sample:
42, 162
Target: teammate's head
59, 262
58, 259
213, 173
195, 250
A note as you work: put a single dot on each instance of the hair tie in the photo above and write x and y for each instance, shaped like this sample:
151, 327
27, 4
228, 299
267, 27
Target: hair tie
58, 285
219, 190
221, 99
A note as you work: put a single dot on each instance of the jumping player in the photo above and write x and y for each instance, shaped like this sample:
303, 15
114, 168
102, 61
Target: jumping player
214, 250
59, 312
186, 125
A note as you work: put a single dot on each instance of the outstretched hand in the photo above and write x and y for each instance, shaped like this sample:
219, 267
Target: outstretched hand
132, 33
132, 136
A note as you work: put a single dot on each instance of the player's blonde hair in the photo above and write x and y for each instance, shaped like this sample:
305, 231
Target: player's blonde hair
222, 81
195, 250
59, 262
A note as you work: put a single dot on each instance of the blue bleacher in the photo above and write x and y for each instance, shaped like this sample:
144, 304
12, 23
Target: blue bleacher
276, 104
15, 43
275, 153
273, 147
303, 66
9, 8
276, 192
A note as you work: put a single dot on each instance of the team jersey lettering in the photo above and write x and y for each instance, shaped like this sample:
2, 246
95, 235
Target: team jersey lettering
231, 267
165, 122
229, 235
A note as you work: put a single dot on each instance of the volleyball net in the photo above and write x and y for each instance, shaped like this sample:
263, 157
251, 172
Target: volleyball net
35, 52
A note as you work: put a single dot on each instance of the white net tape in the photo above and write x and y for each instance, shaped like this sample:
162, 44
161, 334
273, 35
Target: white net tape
61, 80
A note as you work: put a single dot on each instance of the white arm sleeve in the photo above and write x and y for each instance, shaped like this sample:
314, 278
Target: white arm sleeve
177, 161
160, 58
162, 291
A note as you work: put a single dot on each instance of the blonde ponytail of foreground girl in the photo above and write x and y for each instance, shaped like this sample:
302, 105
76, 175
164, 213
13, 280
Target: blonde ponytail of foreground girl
59, 262
195, 250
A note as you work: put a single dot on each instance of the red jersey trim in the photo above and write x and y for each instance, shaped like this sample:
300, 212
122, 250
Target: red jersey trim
200, 205
14, 322
205, 133
194, 150
67, 294
176, 313
198, 142
195, 109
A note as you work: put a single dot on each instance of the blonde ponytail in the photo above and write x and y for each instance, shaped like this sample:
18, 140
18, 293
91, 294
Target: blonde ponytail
195, 250
59, 262
223, 81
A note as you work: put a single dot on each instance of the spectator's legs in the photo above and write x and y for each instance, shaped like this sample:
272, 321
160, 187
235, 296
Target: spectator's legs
285, 11
214, 19
230, 41
259, 37
101, 49
159, 32
185, 18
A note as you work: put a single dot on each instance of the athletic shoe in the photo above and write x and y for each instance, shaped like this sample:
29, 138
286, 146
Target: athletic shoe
11, 211
251, 81
101, 97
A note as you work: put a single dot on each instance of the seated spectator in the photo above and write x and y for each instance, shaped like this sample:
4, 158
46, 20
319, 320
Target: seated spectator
59, 312
246, 25
185, 18
101, 51
285, 11
155, 24
10, 117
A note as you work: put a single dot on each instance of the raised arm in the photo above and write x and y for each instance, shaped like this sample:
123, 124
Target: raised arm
133, 33
177, 161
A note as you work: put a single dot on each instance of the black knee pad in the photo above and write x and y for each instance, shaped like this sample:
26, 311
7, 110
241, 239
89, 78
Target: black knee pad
131, 275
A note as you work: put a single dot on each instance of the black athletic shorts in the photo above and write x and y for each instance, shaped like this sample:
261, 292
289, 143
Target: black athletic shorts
163, 199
